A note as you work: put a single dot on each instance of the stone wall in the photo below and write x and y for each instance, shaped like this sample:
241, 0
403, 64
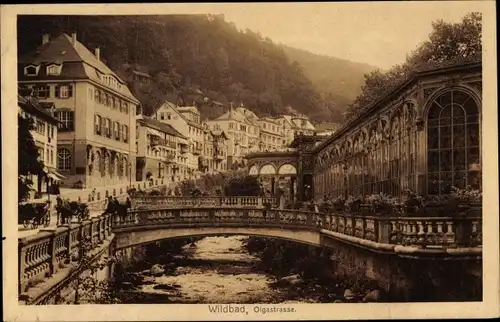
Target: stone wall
425, 279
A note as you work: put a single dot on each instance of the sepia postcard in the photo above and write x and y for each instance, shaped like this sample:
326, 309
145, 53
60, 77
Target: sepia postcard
250, 161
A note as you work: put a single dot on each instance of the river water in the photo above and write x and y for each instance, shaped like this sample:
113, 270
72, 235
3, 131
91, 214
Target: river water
214, 270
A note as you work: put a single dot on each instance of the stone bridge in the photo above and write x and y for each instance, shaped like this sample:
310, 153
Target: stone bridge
383, 248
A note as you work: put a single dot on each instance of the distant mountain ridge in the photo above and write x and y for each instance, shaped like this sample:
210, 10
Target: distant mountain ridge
340, 77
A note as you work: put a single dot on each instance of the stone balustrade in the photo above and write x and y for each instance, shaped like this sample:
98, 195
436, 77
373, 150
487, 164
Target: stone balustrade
160, 202
40, 255
463, 231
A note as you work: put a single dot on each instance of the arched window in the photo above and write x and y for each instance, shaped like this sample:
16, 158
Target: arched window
64, 159
453, 137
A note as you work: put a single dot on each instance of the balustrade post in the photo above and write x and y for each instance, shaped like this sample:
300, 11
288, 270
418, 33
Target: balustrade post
68, 244
91, 232
238, 201
463, 231
384, 230
276, 215
259, 202
309, 218
22, 267
219, 201
52, 253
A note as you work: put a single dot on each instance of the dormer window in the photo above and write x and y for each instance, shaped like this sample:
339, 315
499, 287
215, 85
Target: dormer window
31, 70
54, 69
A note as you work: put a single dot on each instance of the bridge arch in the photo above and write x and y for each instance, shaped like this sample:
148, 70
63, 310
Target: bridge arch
126, 237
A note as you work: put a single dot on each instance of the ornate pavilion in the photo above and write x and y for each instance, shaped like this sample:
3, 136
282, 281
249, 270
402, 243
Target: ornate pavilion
425, 135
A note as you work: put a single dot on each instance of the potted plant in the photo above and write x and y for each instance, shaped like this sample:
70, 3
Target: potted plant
381, 203
467, 198
338, 204
412, 203
353, 204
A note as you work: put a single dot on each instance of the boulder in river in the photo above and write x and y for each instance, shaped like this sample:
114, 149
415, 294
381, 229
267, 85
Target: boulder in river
156, 270
148, 280
127, 286
292, 279
372, 296
165, 287
349, 295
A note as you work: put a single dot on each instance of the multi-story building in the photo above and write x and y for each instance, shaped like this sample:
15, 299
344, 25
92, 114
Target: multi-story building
303, 125
237, 128
187, 121
215, 156
253, 128
271, 135
158, 151
95, 108
45, 138
326, 128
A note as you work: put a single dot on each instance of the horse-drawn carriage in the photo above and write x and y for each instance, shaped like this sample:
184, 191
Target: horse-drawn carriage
34, 214
66, 210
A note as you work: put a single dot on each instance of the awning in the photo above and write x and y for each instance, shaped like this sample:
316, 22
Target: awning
183, 141
154, 132
54, 175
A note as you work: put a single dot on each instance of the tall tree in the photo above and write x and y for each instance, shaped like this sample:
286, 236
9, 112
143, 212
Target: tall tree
28, 163
447, 41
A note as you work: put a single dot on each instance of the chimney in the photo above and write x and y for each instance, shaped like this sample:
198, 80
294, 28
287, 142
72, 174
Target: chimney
45, 38
98, 53
73, 38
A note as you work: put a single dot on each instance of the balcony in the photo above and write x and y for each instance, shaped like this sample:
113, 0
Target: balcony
197, 151
169, 158
184, 149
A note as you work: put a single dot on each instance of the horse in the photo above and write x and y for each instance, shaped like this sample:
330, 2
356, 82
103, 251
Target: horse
114, 207
63, 210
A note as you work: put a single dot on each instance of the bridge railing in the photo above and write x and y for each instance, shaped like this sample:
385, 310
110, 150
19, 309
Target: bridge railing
160, 202
462, 231
42, 255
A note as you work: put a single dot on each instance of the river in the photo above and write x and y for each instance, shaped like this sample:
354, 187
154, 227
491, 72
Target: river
218, 270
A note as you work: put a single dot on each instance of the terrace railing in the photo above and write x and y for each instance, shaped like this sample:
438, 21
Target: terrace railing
160, 202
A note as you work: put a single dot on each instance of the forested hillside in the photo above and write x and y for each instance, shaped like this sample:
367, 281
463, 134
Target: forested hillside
339, 78
204, 59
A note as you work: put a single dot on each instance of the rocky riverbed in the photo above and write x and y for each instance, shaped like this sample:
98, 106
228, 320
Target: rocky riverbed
220, 270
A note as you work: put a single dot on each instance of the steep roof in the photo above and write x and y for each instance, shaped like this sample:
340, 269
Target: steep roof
31, 106
188, 109
288, 118
233, 115
164, 127
78, 63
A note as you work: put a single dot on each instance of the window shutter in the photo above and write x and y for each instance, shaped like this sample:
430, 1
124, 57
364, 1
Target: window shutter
57, 91
70, 90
